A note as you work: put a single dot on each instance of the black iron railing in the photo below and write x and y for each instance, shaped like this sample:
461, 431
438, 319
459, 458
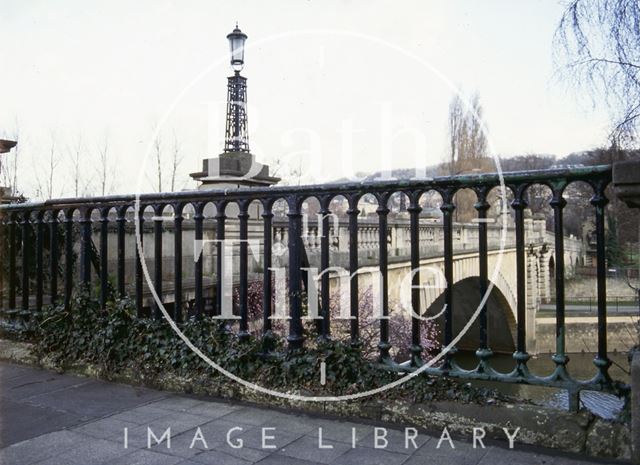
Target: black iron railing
37, 263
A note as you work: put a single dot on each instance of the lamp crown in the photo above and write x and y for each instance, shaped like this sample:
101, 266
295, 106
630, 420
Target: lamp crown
237, 39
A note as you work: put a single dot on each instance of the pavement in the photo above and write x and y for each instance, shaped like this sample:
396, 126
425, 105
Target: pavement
52, 419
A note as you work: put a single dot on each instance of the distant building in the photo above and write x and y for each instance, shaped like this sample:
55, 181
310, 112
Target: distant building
6, 193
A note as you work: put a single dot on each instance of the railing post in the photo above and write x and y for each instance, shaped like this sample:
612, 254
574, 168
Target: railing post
139, 283
521, 356
68, 256
121, 221
104, 256
39, 258
12, 260
295, 338
157, 257
447, 209
26, 250
53, 256
483, 353
325, 297
177, 261
198, 218
558, 203
414, 210
602, 362
353, 213
220, 237
267, 216
383, 210
243, 217
85, 245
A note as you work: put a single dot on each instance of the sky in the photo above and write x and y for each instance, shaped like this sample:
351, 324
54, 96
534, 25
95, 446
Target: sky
335, 87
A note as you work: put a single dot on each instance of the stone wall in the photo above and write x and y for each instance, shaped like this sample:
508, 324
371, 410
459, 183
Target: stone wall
582, 334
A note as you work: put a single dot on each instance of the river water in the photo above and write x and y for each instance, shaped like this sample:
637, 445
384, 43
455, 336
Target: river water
580, 367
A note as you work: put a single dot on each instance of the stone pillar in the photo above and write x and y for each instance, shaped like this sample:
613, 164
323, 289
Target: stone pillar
626, 184
635, 408
532, 300
543, 276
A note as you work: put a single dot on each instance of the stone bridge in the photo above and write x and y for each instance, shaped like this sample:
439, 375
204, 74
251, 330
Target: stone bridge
502, 300
540, 258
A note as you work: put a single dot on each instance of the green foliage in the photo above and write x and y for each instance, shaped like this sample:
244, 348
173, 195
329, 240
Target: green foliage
115, 340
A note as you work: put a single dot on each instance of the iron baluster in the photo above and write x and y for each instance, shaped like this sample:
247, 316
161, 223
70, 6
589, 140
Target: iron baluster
53, 256
383, 346
26, 250
158, 210
220, 260
521, 356
482, 206
12, 260
414, 210
243, 218
104, 257
267, 216
139, 252
295, 338
353, 213
177, 261
325, 313
85, 245
602, 362
39, 259
447, 209
68, 256
121, 221
198, 247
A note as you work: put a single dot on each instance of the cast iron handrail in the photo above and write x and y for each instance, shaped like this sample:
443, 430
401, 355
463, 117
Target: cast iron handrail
33, 218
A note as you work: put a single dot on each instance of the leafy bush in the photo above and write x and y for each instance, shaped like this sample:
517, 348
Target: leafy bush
116, 341
369, 325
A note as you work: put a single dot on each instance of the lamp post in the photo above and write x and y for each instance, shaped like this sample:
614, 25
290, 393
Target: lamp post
236, 166
236, 135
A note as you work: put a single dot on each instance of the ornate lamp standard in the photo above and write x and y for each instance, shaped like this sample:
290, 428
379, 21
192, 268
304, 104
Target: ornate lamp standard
236, 166
236, 136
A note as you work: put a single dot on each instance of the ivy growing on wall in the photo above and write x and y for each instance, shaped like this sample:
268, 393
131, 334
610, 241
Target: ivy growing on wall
116, 341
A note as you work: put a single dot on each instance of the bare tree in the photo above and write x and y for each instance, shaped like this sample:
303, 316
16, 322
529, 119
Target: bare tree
467, 150
599, 45
176, 159
45, 182
456, 123
288, 174
477, 141
75, 153
104, 170
157, 147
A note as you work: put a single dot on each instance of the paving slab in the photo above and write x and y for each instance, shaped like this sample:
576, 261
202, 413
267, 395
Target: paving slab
20, 421
145, 457
369, 456
308, 448
40, 448
95, 398
52, 419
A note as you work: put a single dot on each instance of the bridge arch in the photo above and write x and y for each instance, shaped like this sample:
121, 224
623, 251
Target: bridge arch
501, 322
